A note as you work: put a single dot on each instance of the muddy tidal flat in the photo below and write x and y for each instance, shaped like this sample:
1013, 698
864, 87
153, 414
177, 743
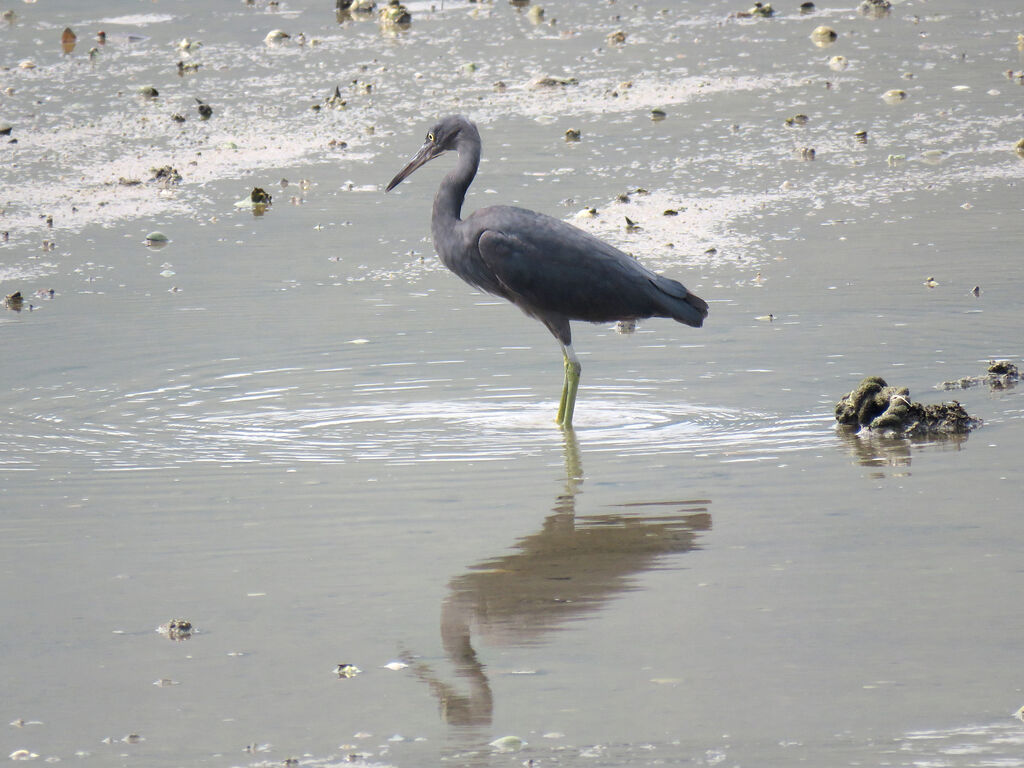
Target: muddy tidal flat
278, 489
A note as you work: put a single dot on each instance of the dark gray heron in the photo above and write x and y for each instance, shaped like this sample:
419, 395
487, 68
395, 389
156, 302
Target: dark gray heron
549, 269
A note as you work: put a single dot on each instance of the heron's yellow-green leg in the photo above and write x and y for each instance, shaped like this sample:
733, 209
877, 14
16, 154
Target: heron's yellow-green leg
570, 386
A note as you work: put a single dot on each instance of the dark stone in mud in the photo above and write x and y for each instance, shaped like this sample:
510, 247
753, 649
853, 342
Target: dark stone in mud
882, 408
204, 109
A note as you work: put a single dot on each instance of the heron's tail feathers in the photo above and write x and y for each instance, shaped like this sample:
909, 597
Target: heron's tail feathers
678, 303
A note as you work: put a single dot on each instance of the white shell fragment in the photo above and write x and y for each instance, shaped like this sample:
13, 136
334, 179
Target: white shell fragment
823, 36
508, 744
838, 63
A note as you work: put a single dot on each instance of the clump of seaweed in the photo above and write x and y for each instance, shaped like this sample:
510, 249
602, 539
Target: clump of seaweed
889, 410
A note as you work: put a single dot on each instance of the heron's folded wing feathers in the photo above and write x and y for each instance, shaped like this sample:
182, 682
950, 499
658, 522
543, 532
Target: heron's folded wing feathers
579, 277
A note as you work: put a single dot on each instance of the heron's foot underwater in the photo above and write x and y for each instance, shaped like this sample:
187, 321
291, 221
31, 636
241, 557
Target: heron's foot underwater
570, 387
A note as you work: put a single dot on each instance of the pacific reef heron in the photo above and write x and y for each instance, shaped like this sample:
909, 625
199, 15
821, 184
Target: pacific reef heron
548, 268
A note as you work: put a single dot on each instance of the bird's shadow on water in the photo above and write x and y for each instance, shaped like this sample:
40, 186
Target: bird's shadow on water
565, 572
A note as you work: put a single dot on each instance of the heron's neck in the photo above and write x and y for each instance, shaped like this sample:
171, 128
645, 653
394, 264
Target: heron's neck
452, 192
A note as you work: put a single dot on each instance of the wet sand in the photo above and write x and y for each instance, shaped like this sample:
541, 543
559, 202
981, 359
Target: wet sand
299, 432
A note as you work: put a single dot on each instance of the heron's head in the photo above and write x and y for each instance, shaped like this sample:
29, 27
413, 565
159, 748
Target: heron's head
446, 134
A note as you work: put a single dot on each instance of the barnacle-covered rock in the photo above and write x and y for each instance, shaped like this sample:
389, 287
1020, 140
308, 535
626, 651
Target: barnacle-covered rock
1001, 374
882, 408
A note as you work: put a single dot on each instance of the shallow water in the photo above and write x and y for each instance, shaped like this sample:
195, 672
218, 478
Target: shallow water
301, 433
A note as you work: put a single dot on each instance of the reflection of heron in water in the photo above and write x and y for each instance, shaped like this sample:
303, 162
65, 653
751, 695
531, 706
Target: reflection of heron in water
564, 572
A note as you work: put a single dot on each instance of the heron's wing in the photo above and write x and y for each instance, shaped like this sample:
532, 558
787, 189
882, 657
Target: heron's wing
554, 268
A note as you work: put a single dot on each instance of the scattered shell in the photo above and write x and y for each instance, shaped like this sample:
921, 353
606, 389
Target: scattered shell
876, 9
396, 15
508, 744
335, 100
68, 39
823, 36
14, 301
166, 175
586, 213
347, 670
547, 81
894, 96
27, 64
275, 36
624, 327
838, 63
175, 629
394, 666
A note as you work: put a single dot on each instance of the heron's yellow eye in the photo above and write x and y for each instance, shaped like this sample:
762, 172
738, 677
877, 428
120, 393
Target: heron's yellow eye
430, 137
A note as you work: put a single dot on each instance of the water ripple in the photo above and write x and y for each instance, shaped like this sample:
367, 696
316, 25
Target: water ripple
243, 422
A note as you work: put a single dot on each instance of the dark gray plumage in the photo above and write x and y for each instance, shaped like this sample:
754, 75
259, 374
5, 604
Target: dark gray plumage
549, 269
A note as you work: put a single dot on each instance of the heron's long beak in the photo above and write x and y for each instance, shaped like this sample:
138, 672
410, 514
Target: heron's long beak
427, 152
